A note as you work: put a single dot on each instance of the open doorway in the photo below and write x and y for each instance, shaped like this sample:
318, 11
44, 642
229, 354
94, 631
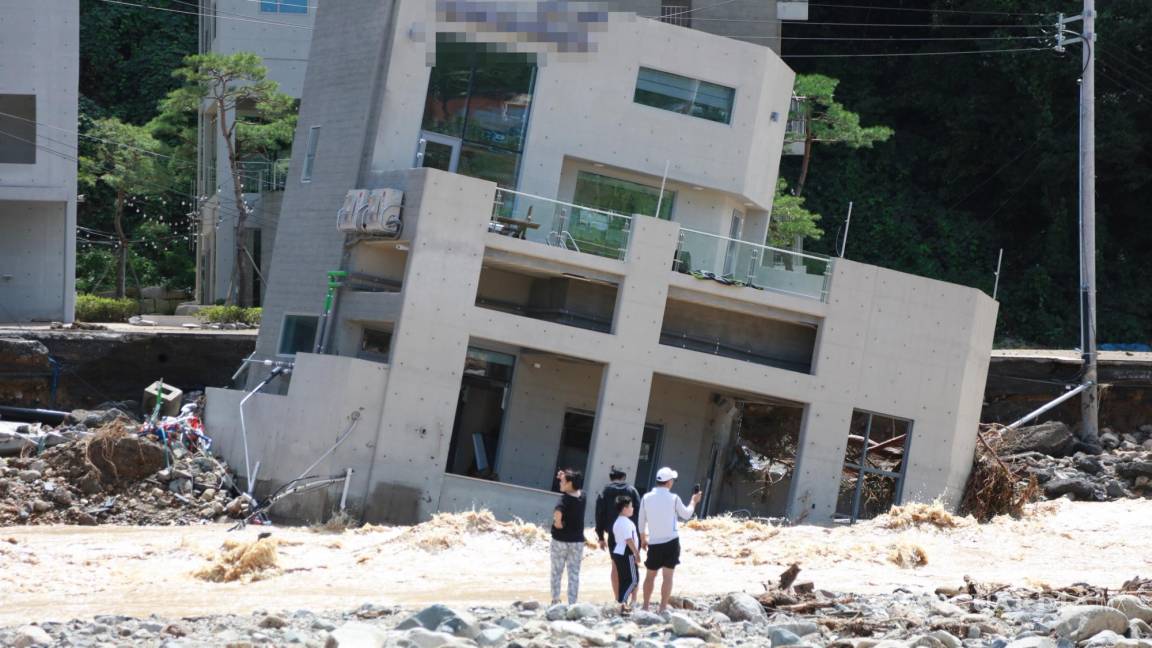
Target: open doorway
480, 413
575, 441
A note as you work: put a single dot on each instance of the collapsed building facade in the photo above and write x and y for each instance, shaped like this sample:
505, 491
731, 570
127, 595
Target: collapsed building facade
563, 265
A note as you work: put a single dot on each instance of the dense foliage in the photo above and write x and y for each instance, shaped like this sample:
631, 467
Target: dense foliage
91, 308
984, 155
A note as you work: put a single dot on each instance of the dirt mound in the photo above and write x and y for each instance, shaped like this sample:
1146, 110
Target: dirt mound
122, 457
242, 561
448, 530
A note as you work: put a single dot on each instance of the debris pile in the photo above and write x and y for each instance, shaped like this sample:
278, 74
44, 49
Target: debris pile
108, 469
1063, 467
448, 530
242, 561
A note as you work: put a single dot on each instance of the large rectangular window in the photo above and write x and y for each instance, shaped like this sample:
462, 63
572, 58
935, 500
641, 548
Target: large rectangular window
284, 6
622, 196
298, 334
476, 117
684, 95
17, 129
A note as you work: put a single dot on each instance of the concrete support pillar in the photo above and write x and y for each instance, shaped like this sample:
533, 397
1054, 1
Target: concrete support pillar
816, 481
620, 415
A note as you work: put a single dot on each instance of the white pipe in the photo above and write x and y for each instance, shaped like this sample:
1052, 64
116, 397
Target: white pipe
663, 181
1049, 406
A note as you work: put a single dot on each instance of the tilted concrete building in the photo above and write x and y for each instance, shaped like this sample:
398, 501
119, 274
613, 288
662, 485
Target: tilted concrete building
580, 280
280, 32
39, 80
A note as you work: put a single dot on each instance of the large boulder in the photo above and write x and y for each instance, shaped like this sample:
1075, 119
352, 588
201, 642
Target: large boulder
356, 634
1132, 607
444, 619
1052, 438
1080, 622
1080, 488
739, 606
1134, 469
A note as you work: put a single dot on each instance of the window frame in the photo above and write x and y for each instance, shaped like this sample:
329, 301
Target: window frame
25, 141
284, 327
690, 105
310, 154
298, 7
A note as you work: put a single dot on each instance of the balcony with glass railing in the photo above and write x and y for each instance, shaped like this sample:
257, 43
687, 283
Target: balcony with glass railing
743, 263
560, 224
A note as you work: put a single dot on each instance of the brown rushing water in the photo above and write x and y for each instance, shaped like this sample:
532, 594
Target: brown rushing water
59, 573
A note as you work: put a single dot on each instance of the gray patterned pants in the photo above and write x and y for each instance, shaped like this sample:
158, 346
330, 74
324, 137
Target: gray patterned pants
566, 553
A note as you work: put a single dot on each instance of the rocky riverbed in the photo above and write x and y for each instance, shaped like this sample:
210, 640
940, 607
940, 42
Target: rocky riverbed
967, 615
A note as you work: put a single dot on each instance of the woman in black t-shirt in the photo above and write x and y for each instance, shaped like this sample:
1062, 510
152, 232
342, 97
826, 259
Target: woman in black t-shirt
568, 534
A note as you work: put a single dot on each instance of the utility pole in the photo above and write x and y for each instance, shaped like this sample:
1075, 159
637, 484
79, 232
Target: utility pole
1089, 403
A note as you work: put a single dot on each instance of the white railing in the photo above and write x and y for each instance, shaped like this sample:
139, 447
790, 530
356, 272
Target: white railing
743, 263
561, 224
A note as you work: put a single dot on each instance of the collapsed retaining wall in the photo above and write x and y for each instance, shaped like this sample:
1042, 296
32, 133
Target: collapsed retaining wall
99, 366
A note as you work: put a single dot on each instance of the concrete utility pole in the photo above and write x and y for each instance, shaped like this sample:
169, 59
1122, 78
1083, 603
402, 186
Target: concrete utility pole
1089, 403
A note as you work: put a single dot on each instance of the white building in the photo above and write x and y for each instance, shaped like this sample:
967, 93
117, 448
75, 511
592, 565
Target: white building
580, 281
39, 78
280, 32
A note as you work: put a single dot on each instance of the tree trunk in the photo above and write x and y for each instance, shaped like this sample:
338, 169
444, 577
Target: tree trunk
807, 160
122, 248
238, 293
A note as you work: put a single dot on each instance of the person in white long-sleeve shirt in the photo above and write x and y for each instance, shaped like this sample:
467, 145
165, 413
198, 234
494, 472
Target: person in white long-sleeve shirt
660, 510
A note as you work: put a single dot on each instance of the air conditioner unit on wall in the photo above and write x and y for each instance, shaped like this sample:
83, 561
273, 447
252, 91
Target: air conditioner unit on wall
348, 218
382, 215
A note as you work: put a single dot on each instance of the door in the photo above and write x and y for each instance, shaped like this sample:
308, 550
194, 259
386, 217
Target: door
438, 151
575, 441
734, 232
483, 400
646, 465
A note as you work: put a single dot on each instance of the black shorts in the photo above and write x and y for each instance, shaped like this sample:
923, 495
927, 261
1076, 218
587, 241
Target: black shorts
665, 555
611, 542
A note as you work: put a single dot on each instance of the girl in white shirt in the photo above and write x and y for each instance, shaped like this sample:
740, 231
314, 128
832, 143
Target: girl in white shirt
626, 552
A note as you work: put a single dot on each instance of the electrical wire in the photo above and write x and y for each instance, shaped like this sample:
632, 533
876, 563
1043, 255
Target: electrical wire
207, 15
860, 24
898, 54
891, 39
940, 11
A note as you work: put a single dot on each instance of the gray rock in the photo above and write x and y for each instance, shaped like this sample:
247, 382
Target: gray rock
646, 618
945, 608
40, 506
1115, 489
647, 643
682, 626
323, 624
581, 632
1087, 463
1127, 469
151, 626
508, 623
1033, 642
442, 618
582, 611
947, 638
1109, 440
30, 636
687, 642
798, 628
1079, 487
273, 622
1079, 622
294, 637
1102, 639
782, 637
28, 476
1052, 438
974, 632
1132, 607
556, 612
425, 638
491, 636
739, 606
1138, 629
356, 634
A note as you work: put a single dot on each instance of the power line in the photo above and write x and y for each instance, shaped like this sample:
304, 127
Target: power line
207, 15
894, 39
1116, 61
860, 24
895, 54
941, 11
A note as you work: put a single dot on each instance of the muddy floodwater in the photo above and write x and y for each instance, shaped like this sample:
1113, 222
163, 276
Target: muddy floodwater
59, 573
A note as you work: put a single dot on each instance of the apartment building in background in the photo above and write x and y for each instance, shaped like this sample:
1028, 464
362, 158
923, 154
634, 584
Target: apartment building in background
280, 32
39, 80
539, 258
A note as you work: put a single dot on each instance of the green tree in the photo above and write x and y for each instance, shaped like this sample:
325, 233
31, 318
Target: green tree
827, 121
254, 119
124, 158
790, 219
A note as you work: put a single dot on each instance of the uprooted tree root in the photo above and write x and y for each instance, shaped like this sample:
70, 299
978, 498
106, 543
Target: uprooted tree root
242, 561
993, 488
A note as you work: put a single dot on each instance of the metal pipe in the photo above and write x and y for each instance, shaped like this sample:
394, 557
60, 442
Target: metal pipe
344, 494
1049, 406
33, 415
276, 371
355, 416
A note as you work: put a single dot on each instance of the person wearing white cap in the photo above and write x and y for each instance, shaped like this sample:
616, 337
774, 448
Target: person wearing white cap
660, 509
